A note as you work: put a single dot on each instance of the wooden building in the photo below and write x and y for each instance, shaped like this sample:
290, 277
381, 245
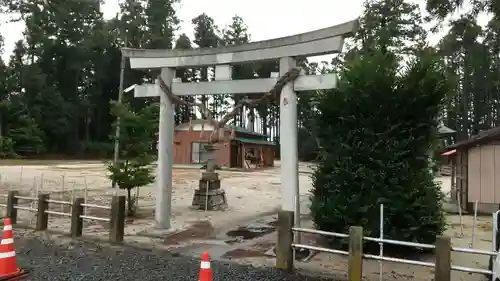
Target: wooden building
243, 148
476, 163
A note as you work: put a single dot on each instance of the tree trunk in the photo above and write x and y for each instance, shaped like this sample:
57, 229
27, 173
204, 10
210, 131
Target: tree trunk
130, 204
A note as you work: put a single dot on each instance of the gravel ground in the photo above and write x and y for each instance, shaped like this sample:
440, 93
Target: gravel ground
85, 261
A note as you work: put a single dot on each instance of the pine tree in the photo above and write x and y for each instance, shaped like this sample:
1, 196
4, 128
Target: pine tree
162, 21
184, 113
236, 34
389, 25
206, 35
443, 8
134, 168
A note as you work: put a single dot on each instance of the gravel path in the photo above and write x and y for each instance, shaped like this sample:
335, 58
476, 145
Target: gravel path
84, 261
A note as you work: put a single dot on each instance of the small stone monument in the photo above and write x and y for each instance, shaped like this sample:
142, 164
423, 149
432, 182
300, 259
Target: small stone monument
209, 195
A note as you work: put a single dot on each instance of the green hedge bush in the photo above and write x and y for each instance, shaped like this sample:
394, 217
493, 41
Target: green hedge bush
378, 127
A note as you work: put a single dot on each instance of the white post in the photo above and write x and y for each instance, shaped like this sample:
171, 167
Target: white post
62, 192
381, 244
290, 200
85, 194
165, 155
474, 222
21, 175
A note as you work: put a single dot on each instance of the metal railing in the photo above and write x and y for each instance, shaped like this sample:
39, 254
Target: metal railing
87, 217
28, 198
381, 241
393, 242
1, 204
77, 215
58, 202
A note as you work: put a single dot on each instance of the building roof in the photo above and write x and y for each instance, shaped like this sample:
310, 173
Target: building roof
481, 138
254, 141
450, 152
443, 130
244, 131
226, 127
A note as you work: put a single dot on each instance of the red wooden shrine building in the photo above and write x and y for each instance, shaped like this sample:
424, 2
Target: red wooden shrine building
244, 148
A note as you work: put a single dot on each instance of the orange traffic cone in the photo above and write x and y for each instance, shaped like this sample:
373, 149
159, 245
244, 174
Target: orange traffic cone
205, 270
8, 264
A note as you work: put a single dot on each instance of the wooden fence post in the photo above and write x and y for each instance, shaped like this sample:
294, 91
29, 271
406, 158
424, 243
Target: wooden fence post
76, 220
355, 262
42, 217
11, 204
284, 251
442, 272
117, 219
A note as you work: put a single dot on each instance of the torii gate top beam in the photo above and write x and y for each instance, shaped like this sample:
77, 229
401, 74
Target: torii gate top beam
319, 42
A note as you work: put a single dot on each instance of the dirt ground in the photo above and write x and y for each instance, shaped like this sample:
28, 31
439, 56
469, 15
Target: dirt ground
250, 195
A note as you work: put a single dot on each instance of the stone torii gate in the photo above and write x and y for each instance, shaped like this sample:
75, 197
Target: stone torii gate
319, 42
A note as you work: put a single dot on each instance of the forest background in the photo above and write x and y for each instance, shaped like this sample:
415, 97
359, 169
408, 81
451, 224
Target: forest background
57, 86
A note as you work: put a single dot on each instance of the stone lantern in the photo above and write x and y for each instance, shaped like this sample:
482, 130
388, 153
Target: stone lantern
209, 195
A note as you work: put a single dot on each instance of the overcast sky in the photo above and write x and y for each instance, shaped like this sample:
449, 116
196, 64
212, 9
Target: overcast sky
266, 19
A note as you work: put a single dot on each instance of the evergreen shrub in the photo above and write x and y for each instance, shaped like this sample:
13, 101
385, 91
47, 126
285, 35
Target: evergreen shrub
377, 128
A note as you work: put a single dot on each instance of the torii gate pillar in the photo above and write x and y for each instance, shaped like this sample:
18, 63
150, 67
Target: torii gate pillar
288, 143
165, 155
